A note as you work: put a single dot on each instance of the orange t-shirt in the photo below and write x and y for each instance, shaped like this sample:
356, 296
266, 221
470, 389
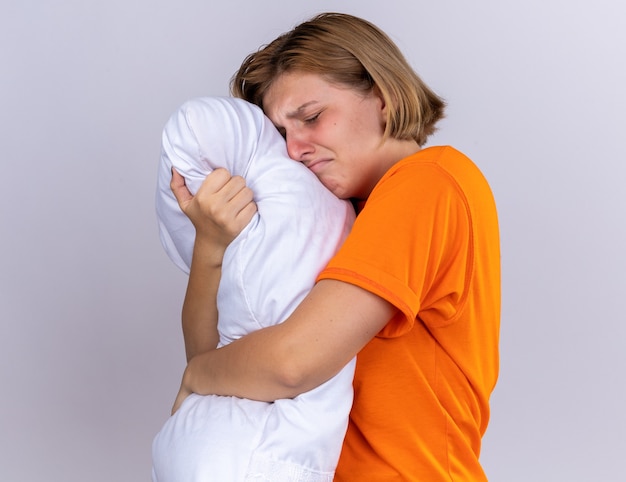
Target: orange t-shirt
427, 241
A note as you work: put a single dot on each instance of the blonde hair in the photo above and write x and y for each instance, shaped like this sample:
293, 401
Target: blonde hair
349, 51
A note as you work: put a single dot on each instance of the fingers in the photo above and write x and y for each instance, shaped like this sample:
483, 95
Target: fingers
230, 203
218, 189
242, 203
179, 188
226, 200
245, 208
223, 205
180, 398
213, 183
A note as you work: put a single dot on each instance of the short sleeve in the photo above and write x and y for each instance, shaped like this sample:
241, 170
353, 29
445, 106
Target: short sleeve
411, 245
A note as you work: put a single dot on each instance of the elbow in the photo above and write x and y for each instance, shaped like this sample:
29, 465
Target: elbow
292, 383
294, 364
294, 378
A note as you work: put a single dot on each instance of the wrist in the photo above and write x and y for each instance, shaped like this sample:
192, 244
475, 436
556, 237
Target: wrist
192, 377
208, 252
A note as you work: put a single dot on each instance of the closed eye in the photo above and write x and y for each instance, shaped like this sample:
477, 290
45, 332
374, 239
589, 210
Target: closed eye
312, 119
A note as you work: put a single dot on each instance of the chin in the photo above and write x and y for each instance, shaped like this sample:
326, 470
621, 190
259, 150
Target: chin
340, 193
335, 188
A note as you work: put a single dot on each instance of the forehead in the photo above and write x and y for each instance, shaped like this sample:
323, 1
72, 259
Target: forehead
293, 94
292, 87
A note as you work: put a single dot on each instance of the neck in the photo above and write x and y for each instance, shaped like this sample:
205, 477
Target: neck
392, 152
397, 150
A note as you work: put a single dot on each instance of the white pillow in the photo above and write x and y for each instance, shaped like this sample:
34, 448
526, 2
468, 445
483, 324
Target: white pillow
267, 271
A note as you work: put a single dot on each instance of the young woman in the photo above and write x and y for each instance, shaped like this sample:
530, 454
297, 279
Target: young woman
415, 289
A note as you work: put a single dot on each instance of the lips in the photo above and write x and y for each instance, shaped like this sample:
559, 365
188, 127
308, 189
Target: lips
317, 165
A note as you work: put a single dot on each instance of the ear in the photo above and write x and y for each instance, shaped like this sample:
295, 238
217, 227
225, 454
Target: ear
376, 91
383, 105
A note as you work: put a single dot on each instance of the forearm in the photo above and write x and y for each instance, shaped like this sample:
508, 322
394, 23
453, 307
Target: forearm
199, 314
252, 367
324, 333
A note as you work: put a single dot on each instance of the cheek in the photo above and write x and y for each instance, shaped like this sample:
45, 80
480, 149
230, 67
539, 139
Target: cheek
365, 130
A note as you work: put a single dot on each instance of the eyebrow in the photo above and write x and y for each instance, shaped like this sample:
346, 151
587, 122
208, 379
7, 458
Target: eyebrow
298, 112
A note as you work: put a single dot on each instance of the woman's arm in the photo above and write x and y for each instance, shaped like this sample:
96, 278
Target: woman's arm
325, 332
199, 315
329, 328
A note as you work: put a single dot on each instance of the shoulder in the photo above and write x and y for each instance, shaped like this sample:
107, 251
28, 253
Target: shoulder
432, 174
424, 175
432, 163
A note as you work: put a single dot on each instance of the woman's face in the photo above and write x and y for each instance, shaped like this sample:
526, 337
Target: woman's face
335, 131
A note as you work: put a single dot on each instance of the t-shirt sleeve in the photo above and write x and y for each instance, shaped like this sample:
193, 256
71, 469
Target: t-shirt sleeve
412, 246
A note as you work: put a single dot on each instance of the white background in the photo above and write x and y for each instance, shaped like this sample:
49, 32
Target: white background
90, 345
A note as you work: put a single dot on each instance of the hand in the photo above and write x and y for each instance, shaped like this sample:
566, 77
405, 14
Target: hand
222, 207
185, 386
183, 393
184, 390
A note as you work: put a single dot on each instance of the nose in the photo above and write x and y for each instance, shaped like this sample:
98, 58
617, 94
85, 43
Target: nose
298, 147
